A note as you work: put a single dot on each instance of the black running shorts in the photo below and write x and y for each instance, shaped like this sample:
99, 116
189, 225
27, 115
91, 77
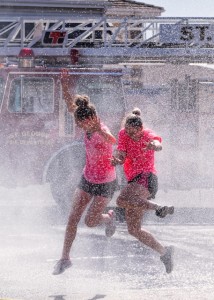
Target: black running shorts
149, 181
102, 189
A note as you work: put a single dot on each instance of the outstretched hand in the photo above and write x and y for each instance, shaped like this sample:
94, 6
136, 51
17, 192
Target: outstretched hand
152, 145
149, 145
115, 161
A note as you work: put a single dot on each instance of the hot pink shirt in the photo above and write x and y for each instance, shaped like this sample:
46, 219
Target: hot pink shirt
98, 168
137, 160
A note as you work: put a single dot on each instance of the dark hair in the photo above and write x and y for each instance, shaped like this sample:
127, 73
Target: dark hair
84, 109
134, 118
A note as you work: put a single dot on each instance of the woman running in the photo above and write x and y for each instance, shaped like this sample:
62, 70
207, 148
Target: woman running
136, 147
98, 181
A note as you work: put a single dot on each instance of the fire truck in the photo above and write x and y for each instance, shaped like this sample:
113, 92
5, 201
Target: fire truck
162, 65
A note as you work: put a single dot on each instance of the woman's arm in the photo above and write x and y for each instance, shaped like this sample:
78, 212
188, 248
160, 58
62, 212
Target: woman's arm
118, 158
154, 145
67, 95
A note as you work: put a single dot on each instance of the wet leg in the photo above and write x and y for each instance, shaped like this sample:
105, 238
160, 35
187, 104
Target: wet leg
135, 195
81, 200
95, 214
133, 219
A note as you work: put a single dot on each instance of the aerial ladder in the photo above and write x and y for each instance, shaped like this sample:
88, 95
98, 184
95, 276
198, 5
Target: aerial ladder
105, 39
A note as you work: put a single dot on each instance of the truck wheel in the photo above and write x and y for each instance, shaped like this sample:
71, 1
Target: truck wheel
63, 172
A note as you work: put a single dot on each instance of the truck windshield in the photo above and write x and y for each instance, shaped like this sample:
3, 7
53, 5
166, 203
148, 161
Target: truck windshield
31, 95
106, 94
104, 91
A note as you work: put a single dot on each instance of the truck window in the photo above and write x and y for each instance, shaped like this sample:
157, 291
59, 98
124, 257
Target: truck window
106, 94
104, 91
31, 95
1, 91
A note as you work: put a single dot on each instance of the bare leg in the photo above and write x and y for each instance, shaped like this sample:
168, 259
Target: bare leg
81, 199
94, 215
135, 195
133, 219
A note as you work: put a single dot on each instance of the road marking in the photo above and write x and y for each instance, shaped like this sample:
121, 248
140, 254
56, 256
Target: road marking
99, 257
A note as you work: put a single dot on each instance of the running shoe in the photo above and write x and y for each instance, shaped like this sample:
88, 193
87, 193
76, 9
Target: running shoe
111, 226
162, 211
61, 266
167, 259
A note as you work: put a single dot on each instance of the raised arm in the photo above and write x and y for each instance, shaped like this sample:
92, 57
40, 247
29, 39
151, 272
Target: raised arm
67, 95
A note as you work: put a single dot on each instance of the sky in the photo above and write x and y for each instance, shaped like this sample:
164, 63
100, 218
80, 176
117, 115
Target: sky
184, 8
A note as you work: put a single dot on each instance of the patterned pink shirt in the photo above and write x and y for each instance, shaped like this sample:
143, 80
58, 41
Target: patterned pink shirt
98, 168
137, 159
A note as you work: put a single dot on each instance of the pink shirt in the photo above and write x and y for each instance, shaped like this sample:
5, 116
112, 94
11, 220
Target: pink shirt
137, 160
98, 168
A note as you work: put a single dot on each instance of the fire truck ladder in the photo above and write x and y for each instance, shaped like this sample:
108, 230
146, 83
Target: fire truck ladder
111, 39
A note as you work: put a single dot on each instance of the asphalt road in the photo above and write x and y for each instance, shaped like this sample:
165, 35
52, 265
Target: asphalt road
119, 268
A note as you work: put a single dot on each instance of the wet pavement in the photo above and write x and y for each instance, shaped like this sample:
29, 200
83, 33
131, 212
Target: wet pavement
109, 269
